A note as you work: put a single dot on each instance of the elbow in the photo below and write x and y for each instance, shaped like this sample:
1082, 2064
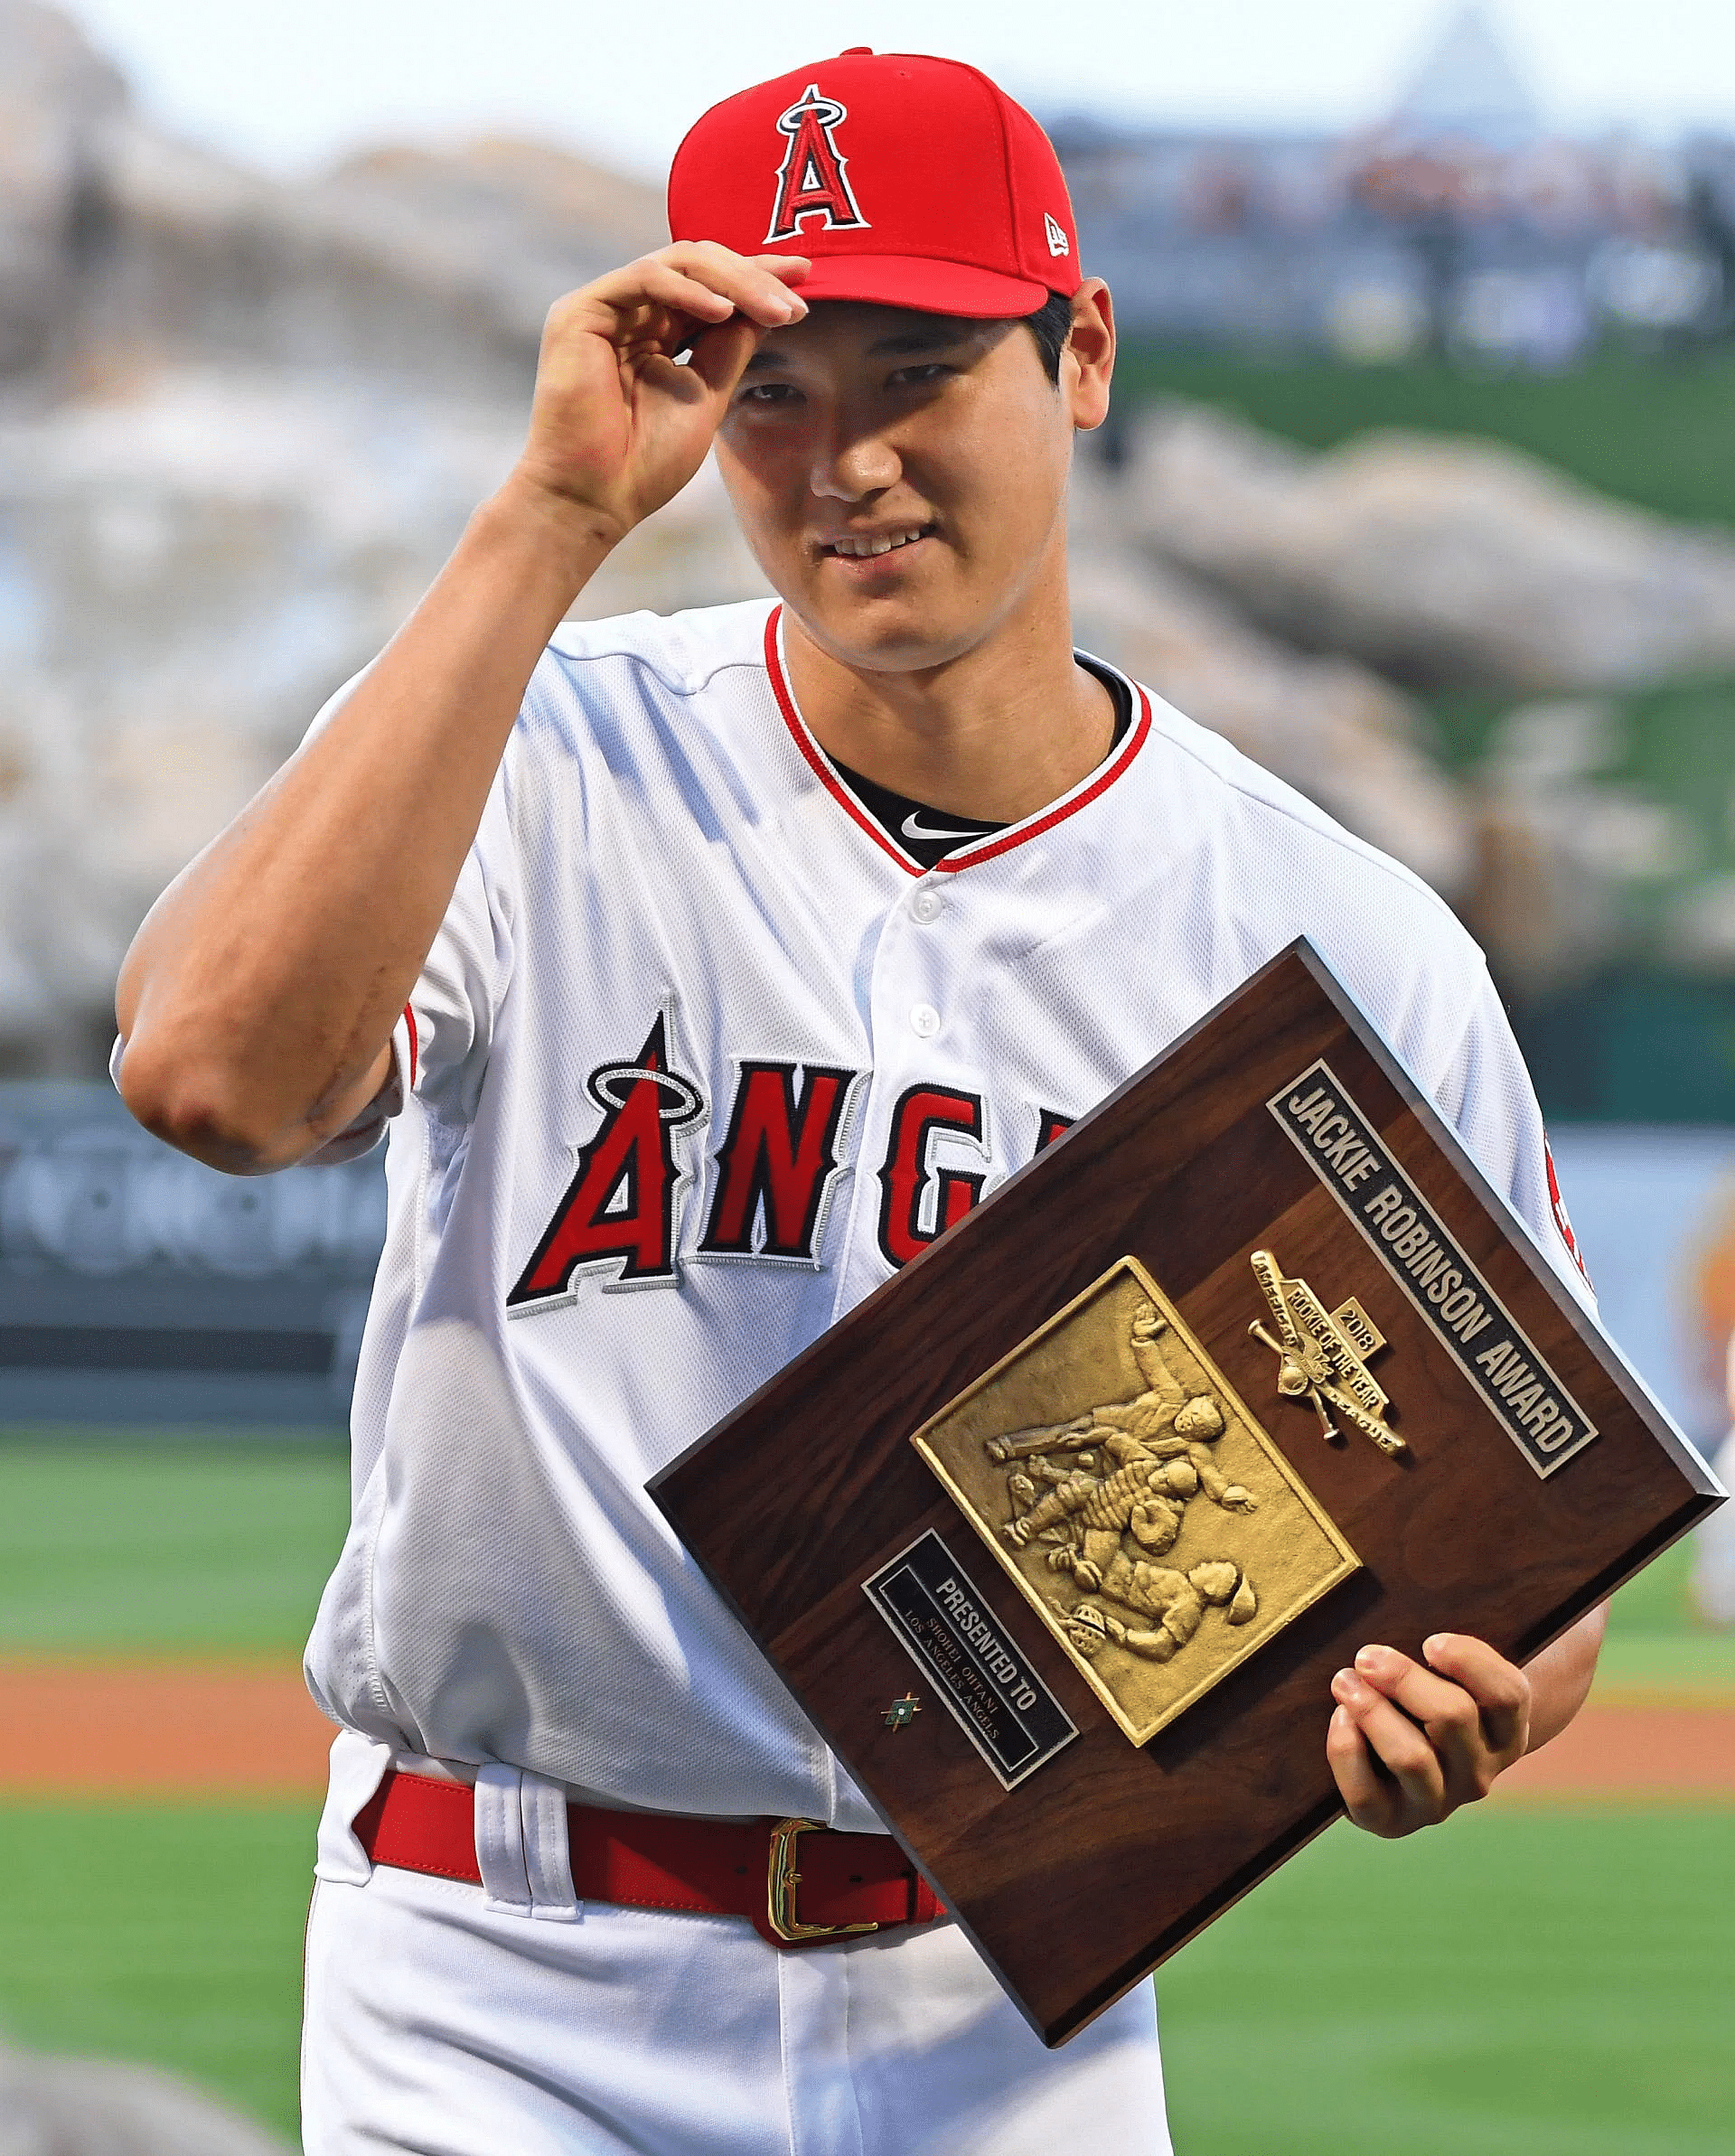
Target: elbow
193, 1101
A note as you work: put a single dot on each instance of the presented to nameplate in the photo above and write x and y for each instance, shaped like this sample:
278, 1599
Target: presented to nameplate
1061, 1536
1114, 1472
938, 1612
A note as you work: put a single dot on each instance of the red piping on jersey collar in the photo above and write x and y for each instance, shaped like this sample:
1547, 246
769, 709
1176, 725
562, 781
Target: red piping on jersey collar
415, 1045
1004, 842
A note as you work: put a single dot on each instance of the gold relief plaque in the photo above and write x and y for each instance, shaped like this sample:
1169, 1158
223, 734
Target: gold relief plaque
1117, 1476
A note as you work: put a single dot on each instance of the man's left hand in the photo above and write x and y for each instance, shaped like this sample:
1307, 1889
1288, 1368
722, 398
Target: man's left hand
1411, 1742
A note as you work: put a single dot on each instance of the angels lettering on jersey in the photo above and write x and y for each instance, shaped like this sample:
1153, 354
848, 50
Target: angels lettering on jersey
769, 1179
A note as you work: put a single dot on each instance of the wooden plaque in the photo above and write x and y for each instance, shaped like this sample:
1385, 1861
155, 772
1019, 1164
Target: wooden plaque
1049, 1536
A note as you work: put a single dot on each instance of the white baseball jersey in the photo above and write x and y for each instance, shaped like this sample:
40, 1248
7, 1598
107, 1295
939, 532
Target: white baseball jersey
698, 1058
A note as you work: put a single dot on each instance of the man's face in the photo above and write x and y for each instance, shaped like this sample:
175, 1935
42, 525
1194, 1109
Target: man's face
942, 443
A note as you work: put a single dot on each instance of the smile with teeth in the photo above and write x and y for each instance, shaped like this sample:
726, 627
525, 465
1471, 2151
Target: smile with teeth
859, 547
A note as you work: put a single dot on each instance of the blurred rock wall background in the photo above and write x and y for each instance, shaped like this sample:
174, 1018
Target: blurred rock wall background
241, 423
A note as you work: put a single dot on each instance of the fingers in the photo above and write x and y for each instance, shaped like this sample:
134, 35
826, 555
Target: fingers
706, 283
1372, 1801
788, 270
719, 357
1413, 1791
1474, 1705
695, 296
1500, 1689
1442, 1733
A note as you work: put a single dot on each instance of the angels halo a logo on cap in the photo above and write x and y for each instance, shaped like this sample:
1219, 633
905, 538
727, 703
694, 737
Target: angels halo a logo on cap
813, 180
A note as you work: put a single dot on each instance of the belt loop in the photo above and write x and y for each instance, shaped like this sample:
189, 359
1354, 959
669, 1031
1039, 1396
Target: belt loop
522, 1846
500, 1841
548, 1848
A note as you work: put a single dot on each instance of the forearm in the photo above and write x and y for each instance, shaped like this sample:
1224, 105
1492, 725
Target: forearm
1561, 1677
1216, 1486
259, 997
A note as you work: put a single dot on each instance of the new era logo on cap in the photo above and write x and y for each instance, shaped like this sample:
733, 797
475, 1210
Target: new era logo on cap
908, 181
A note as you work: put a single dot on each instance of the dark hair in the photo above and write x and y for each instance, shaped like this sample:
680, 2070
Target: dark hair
1050, 325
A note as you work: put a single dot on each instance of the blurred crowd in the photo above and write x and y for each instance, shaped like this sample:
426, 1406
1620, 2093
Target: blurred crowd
1459, 223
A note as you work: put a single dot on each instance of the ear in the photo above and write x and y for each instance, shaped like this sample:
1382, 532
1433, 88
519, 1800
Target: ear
1087, 364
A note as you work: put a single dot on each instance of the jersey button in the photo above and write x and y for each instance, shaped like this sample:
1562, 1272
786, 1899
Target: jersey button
925, 905
925, 1020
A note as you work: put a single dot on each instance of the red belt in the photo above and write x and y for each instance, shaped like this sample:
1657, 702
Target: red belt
798, 1883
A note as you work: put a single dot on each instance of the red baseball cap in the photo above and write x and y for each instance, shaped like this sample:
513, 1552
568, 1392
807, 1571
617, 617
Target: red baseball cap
910, 182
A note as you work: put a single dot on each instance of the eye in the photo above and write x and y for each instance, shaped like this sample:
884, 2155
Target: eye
768, 395
921, 375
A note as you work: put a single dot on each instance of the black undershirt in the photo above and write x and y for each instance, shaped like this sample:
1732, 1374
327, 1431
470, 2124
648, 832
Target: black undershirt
936, 833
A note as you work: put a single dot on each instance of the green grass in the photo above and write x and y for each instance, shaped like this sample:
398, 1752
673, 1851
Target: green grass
1518, 1984
163, 1934
123, 1548
138, 1549
1654, 1644
1674, 745
1551, 1983
1660, 435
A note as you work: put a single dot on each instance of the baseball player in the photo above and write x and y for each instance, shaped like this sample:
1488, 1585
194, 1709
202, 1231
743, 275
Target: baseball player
705, 969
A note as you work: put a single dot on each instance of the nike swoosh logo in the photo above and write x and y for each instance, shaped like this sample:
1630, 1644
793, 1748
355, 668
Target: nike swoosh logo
914, 828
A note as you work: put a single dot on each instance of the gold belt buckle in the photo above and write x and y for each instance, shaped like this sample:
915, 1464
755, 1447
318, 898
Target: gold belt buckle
782, 1881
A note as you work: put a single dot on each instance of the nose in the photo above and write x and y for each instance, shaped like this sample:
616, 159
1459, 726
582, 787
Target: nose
854, 465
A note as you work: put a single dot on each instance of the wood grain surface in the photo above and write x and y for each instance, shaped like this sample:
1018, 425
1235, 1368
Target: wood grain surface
1080, 1880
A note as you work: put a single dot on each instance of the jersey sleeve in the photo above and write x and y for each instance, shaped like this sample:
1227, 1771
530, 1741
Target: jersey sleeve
441, 1042
1486, 1093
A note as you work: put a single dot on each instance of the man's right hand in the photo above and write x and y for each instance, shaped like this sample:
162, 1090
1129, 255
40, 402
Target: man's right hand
619, 423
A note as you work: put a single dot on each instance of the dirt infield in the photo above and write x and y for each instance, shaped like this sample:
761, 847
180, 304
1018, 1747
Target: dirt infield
173, 1728
1658, 1753
113, 1728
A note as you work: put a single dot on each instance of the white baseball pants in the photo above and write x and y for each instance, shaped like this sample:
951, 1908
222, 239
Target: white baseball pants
444, 2020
